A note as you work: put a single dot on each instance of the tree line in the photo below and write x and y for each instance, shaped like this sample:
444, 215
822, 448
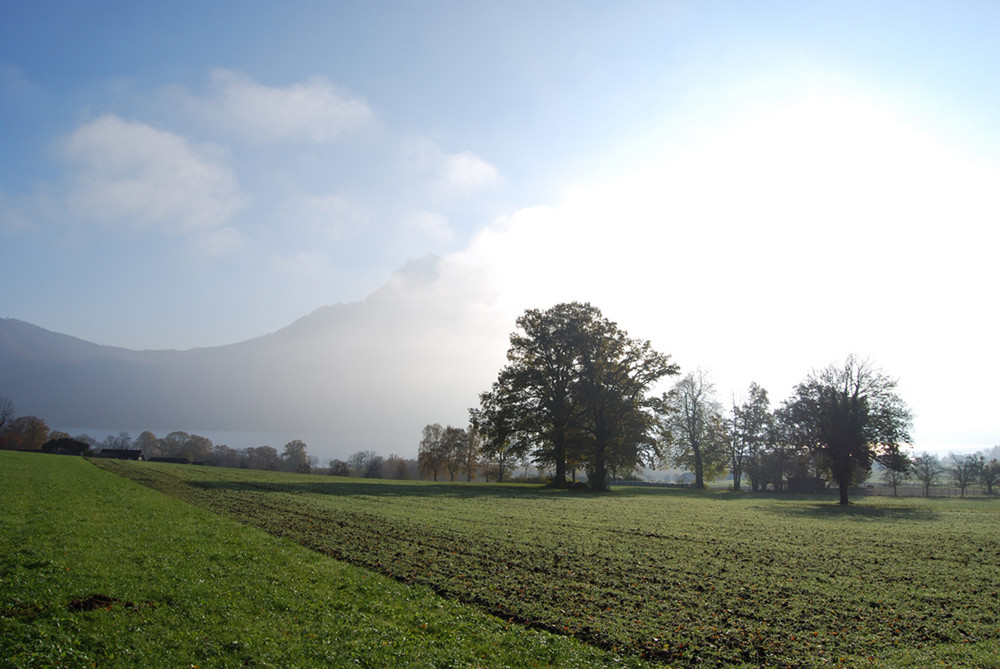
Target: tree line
578, 393
31, 433
962, 471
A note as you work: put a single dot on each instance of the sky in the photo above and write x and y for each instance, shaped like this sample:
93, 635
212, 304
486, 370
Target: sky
760, 189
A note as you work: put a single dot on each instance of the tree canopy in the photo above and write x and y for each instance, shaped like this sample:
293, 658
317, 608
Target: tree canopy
577, 386
850, 414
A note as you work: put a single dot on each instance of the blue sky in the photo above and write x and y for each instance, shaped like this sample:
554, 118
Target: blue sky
759, 188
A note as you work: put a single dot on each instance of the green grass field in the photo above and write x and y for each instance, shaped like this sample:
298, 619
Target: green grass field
96, 570
671, 576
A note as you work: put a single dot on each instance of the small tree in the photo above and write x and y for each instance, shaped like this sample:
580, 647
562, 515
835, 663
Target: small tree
395, 467
500, 443
6, 411
926, 469
263, 457
896, 469
121, 441
373, 470
964, 470
452, 445
339, 468
431, 456
148, 444
748, 436
359, 462
990, 474
296, 457
469, 453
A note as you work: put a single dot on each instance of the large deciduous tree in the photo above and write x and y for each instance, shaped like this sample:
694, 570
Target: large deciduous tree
542, 369
617, 419
850, 414
576, 386
693, 428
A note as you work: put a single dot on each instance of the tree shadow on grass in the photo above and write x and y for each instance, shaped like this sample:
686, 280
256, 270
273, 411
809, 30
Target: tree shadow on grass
854, 511
459, 489
349, 487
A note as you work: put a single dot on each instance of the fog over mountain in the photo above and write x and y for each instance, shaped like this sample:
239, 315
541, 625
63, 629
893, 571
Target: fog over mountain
367, 375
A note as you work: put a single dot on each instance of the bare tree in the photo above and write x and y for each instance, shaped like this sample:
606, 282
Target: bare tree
990, 474
693, 428
360, 461
964, 470
926, 469
395, 468
6, 411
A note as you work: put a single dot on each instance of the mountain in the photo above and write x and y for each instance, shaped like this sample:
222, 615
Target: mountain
366, 375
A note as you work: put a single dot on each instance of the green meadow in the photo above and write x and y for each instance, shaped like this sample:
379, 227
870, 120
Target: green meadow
221, 567
97, 570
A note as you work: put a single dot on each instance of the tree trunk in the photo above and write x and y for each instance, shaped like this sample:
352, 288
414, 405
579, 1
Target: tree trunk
699, 475
843, 492
600, 473
559, 480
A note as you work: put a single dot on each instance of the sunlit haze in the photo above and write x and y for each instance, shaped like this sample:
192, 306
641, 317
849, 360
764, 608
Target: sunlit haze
759, 189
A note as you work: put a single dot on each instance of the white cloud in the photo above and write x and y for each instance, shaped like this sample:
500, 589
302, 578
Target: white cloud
450, 173
132, 175
468, 172
777, 244
315, 110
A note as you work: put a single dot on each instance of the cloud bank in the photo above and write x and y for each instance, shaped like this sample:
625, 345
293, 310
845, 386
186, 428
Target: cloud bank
779, 243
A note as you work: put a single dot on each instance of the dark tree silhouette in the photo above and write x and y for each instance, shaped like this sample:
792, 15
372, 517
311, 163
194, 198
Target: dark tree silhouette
850, 413
576, 386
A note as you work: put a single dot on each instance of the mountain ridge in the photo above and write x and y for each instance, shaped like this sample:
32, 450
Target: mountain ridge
366, 375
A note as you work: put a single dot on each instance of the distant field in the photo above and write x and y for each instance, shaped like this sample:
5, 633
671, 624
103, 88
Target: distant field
96, 570
684, 578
